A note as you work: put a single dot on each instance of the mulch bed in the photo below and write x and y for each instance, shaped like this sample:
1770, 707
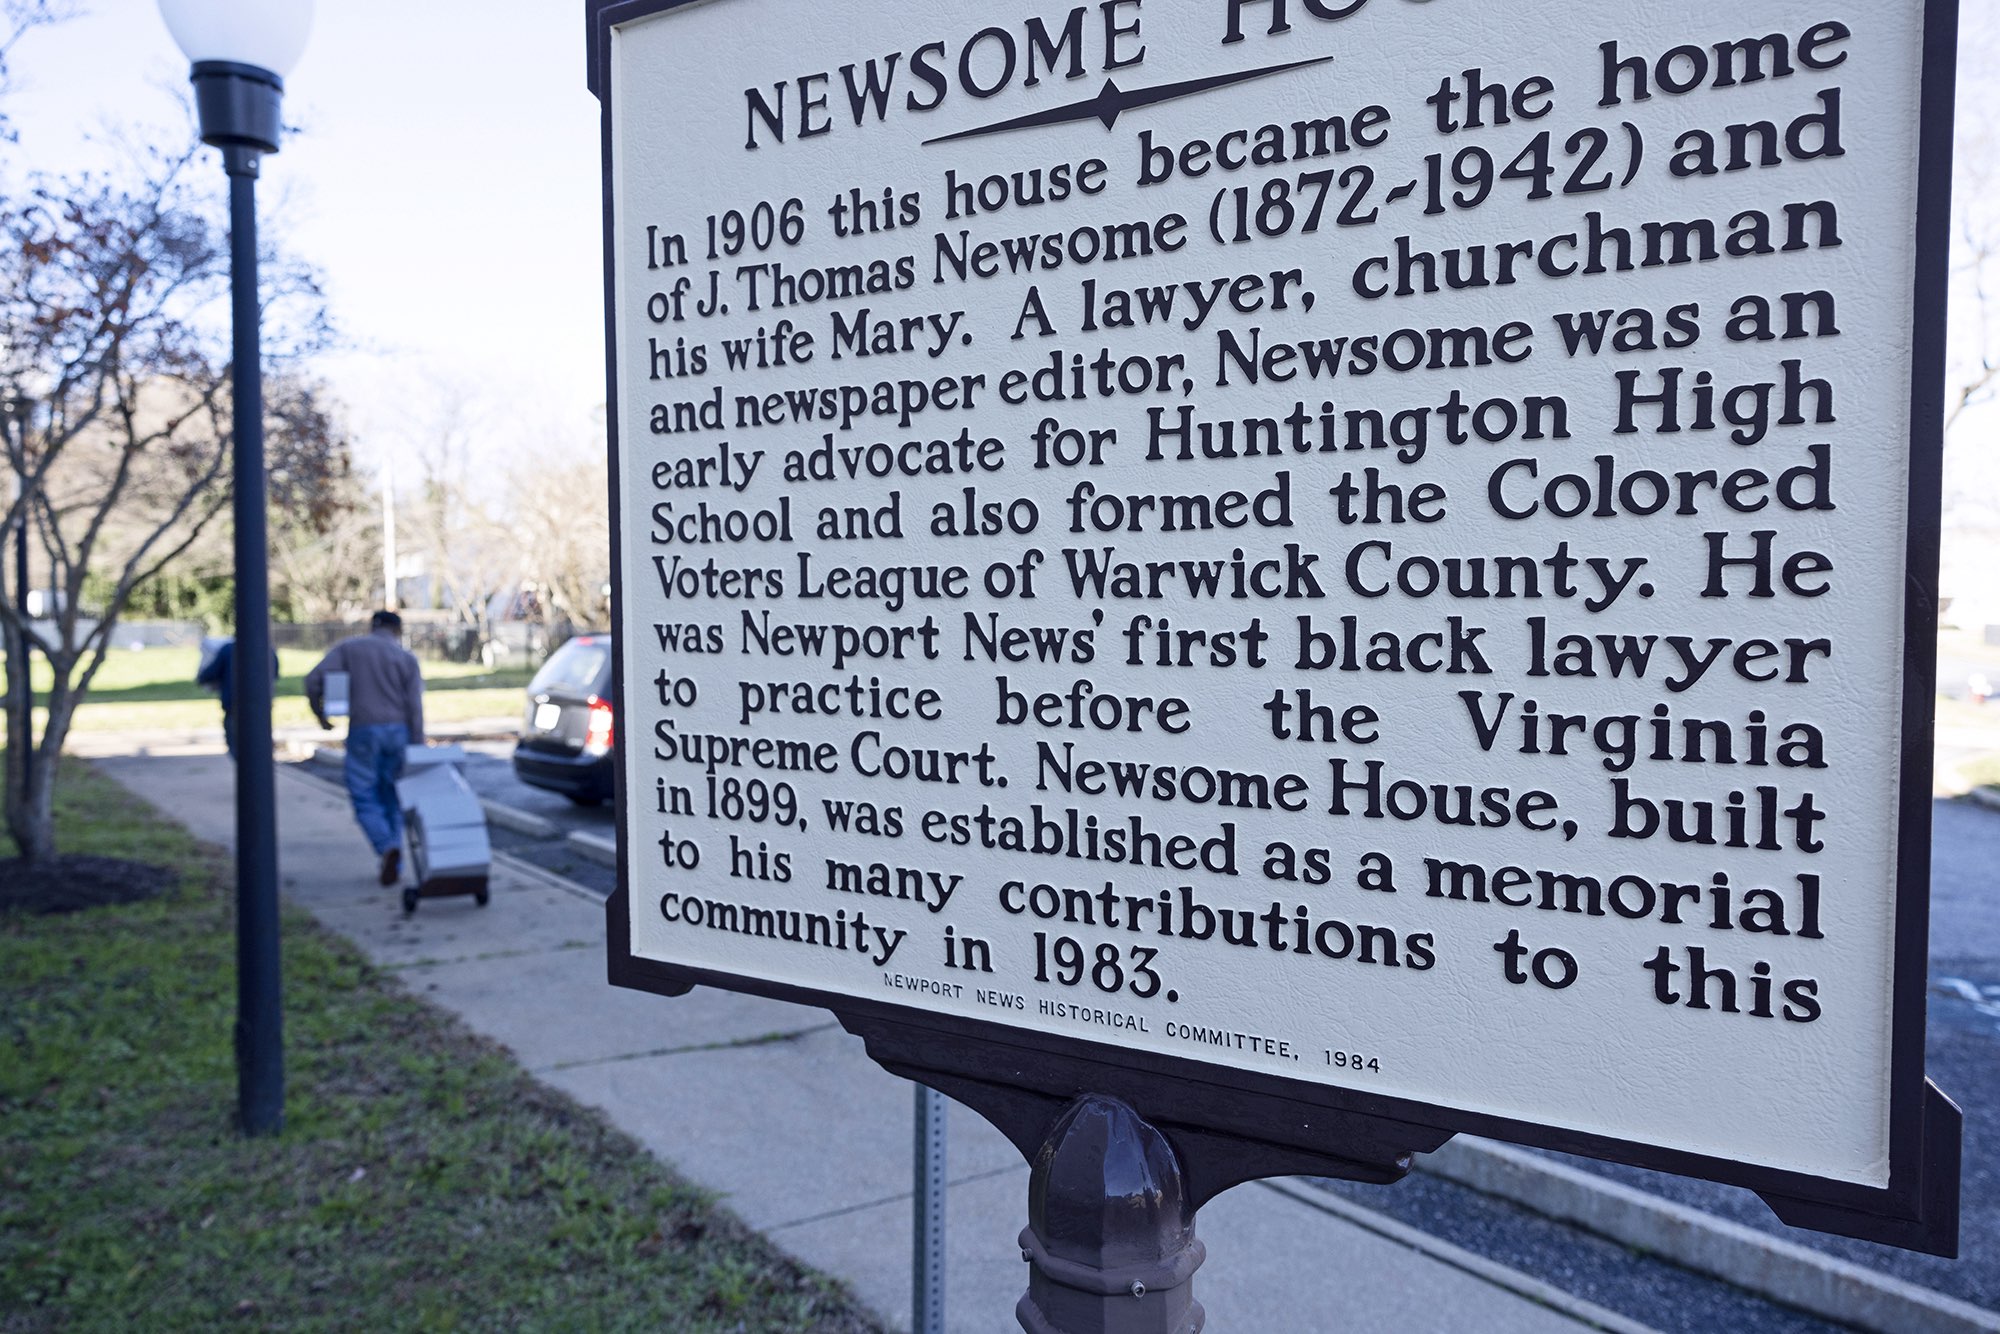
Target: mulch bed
73, 883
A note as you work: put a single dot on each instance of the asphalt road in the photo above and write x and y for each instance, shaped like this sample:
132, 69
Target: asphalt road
1963, 1056
1659, 1295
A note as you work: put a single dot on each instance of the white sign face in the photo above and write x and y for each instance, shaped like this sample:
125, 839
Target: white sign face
1362, 542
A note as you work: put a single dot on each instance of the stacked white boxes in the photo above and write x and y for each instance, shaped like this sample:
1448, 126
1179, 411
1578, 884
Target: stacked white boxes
444, 825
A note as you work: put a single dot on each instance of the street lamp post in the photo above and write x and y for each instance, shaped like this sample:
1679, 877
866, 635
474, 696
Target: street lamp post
240, 50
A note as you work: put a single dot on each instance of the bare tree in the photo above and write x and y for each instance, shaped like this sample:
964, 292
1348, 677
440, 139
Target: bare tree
112, 342
17, 19
1974, 373
564, 530
326, 529
330, 573
453, 519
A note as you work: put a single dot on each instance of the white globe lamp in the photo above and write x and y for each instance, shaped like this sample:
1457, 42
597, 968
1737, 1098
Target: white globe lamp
240, 50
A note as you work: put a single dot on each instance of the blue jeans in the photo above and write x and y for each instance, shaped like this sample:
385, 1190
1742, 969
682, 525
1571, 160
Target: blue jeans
374, 762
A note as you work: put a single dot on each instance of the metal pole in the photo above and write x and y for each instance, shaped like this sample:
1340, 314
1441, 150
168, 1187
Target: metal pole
1110, 1236
260, 1050
389, 536
21, 557
927, 1243
21, 593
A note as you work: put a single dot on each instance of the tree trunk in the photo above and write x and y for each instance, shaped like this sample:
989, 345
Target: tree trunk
30, 791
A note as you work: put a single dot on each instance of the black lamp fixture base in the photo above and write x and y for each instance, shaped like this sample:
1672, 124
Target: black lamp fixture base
238, 108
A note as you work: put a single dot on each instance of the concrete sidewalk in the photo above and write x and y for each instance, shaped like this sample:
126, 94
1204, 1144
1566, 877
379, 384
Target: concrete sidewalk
781, 1113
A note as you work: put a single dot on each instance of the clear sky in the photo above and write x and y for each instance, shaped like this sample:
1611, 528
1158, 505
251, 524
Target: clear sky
444, 180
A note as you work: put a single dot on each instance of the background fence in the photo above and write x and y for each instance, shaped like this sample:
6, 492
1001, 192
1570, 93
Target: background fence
505, 644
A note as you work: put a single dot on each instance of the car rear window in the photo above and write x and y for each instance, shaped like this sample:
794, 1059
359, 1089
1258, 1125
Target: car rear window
576, 667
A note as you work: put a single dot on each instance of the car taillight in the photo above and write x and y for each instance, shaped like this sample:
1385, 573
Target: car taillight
597, 733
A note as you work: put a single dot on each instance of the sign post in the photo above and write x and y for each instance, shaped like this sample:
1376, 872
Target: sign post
1276, 580
1110, 1238
931, 1184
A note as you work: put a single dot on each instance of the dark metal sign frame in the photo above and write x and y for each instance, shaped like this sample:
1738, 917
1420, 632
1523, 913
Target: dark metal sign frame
1231, 1126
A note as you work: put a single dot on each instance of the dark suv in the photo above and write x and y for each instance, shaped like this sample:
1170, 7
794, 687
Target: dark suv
567, 732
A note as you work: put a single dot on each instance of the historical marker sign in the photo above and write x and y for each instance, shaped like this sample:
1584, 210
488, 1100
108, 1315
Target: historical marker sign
1381, 551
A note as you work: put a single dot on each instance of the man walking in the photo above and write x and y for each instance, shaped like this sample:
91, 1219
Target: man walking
219, 675
385, 694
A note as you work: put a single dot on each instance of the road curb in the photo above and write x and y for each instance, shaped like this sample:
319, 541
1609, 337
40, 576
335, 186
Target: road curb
594, 847
1798, 1276
507, 817
526, 870
1499, 1275
520, 821
450, 735
1988, 797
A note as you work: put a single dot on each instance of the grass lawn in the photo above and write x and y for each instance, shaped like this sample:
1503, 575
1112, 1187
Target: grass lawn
1964, 713
423, 1182
1981, 772
154, 689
